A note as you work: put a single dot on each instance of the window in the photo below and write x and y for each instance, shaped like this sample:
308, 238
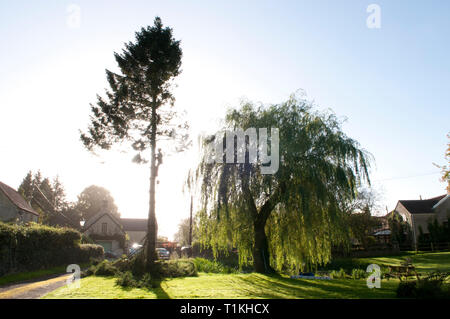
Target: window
104, 228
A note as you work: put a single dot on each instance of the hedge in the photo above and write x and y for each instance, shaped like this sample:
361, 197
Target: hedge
33, 247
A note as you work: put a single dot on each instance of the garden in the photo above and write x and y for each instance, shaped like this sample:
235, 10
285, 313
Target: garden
202, 278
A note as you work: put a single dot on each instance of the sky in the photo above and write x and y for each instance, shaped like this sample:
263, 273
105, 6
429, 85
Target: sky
389, 85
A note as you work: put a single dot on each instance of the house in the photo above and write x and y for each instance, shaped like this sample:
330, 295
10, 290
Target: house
382, 234
106, 230
417, 213
14, 208
136, 229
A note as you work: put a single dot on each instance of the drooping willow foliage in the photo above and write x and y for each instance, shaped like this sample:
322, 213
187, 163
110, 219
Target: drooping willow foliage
298, 206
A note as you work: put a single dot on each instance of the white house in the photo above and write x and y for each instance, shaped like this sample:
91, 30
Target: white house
419, 212
107, 231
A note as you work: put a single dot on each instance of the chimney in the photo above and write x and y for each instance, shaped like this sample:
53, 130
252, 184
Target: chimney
420, 196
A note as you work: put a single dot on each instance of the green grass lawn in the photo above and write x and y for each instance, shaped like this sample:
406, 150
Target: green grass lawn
24, 276
30, 275
424, 262
229, 286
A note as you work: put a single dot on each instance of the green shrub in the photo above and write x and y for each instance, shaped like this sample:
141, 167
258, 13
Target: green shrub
126, 279
33, 247
176, 268
105, 268
359, 273
210, 266
406, 289
431, 287
334, 274
123, 264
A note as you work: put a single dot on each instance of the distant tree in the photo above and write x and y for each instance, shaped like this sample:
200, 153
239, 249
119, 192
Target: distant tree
137, 109
446, 168
182, 235
94, 198
361, 215
438, 233
49, 199
400, 229
362, 225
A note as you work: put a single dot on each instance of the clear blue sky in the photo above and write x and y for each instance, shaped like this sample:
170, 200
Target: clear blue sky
392, 84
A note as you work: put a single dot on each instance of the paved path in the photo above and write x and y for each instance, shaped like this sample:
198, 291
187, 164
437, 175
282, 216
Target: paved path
33, 289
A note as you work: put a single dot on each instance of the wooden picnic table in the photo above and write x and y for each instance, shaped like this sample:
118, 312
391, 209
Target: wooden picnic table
401, 271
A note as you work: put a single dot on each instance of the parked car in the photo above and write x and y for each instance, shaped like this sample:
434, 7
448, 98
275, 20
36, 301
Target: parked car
134, 249
186, 251
163, 253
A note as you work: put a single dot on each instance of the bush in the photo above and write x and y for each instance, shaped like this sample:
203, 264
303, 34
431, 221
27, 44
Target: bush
34, 247
126, 279
431, 287
338, 274
176, 268
348, 264
359, 273
90, 252
105, 268
209, 266
406, 289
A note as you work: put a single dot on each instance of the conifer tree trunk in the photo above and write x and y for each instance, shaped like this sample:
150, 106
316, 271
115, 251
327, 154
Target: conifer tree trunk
152, 226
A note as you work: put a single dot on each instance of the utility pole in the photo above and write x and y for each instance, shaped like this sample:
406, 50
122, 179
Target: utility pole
190, 225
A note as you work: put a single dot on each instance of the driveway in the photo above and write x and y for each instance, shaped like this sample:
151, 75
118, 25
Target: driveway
33, 289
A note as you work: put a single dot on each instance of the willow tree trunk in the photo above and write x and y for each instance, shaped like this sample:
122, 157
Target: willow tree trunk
152, 227
261, 256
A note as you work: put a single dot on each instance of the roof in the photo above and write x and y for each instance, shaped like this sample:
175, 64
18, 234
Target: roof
17, 199
97, 217
421, 206
134, 224
441, 201
384, 232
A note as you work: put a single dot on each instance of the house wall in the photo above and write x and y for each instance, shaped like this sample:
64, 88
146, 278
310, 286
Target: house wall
9, 212
112, 229
414, 221
115, 246
404, 213
422, 220
96, 228
136, 236
443, 211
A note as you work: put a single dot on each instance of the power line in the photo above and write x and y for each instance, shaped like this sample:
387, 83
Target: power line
405, 177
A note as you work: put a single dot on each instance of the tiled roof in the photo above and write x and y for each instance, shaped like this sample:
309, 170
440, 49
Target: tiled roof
421, 206
17, 199
134, 224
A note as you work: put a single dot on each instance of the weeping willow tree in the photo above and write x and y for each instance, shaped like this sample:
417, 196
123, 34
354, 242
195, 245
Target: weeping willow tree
291, 218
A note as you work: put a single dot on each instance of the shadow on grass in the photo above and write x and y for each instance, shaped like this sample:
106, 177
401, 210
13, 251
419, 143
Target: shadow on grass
157, 289
276, 286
